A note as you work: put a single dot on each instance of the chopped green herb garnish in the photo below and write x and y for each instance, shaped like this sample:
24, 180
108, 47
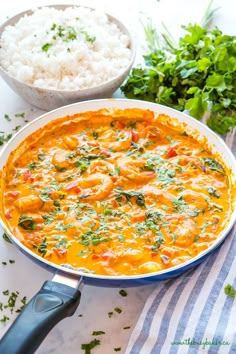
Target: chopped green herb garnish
21, 115
46, 47
126, 196
230, 291
97, 333
213, 192
26, 222
89, 346
4, 319
41, 157
4, 139
33, 166
95, 135
123, 293
17, 127
6, 116
117, 309
6, 238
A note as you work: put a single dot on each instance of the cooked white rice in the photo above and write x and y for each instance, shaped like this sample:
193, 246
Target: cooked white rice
71, 49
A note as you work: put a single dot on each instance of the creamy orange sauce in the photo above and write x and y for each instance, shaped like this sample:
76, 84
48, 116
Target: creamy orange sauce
115, 192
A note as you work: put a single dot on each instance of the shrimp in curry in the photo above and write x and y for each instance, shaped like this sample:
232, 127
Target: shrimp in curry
115, 192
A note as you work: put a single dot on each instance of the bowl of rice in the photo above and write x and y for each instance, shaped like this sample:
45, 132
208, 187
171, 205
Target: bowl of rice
60, 54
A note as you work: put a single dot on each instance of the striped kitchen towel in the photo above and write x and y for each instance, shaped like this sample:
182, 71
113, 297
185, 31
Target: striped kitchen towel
192, 314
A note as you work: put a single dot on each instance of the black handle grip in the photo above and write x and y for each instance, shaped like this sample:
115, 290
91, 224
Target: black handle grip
50, 305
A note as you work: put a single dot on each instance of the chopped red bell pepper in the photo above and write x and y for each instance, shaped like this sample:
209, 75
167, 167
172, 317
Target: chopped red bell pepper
135, 136
171, 153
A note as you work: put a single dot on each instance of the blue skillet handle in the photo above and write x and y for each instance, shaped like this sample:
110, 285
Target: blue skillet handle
51, 304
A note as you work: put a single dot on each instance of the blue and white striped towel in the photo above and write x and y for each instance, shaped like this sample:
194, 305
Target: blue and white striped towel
192, 314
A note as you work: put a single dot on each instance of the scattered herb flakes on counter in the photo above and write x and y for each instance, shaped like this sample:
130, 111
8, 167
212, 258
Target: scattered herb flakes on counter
12, 300
98, 333
20, 115
4, 319
89, 346
4, 137
17, 127
123, 293
230, 291
23, 302
6, 238
6, 116
11, 261
196, 74
118, 310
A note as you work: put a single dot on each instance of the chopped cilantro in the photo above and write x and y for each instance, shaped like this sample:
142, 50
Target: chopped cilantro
42, 248
6, 238
126, 196
123, 293
118, 310
6, 116
21, 115
89, 346
4, 138
4, 319
41, 157
230, 290
46, 47
26, 222
213, 192
213, 165
189, 74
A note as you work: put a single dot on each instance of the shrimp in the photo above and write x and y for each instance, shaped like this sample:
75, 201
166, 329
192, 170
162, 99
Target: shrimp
152, 132
71, 142
60, 161
185, 233
118, 141
97, 186
195, 199
154, 194
133, 170
29, 203
100, 166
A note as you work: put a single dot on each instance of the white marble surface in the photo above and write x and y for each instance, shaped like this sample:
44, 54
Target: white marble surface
24, 276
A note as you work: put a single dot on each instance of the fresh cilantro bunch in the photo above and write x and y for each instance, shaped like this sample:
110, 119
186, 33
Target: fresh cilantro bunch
198, 74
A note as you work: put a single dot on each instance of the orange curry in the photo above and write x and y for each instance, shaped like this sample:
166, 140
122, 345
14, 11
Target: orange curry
115, 192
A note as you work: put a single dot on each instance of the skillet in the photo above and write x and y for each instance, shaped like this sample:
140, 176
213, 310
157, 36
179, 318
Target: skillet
58, 298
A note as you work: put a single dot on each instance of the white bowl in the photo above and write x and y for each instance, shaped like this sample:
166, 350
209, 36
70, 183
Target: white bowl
48, 99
